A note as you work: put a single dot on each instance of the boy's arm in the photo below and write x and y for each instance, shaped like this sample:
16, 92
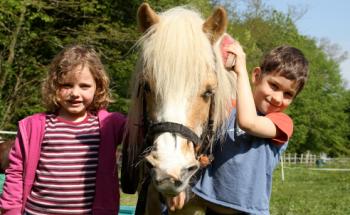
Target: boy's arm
247, 116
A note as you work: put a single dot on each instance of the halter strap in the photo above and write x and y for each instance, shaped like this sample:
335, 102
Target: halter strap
172, 127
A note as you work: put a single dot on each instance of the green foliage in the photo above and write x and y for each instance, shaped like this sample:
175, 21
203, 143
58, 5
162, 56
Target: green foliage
32, 32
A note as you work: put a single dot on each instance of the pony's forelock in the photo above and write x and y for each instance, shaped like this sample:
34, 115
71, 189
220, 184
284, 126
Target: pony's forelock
176, 49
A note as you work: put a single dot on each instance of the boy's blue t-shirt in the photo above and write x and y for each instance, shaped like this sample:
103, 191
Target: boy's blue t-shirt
240, 176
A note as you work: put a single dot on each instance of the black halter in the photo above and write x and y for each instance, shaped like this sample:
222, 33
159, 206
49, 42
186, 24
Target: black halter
202, 144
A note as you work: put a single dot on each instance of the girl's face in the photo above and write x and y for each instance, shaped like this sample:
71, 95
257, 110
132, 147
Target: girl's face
76, 94
272, 92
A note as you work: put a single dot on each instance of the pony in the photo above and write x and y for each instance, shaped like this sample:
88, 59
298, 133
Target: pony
181, 97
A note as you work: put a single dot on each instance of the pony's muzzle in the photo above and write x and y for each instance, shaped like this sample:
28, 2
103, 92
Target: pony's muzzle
170, 184
167, 184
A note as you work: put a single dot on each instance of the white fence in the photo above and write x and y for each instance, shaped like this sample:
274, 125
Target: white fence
305, 158
7, 133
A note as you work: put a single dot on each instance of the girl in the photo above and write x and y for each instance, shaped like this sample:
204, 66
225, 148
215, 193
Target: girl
63, 161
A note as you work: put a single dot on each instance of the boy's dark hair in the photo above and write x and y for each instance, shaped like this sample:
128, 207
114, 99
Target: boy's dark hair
288, 62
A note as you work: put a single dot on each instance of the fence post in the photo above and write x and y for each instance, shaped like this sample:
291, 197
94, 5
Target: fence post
315, 159
301, 158
282, 167
306, 158
289, 160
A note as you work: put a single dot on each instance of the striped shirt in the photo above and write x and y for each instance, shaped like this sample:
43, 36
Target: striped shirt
66, 173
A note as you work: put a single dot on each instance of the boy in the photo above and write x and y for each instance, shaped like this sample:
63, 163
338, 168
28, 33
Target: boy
239, 179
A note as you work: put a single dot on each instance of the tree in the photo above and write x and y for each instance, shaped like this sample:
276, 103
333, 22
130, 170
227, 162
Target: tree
17, 68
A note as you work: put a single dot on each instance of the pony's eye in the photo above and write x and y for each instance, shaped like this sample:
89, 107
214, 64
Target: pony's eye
146, 87
208, 93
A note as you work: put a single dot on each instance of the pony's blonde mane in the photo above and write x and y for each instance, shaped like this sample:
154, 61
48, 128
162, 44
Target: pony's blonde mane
176, 48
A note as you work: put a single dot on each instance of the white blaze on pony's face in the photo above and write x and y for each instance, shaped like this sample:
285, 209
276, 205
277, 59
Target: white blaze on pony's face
173, 157
179, 70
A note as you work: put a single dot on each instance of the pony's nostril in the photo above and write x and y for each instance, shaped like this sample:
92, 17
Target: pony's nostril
157, 182
177, 183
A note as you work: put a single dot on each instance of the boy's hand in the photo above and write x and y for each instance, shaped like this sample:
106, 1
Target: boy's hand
235, 49
228, 58
177, 202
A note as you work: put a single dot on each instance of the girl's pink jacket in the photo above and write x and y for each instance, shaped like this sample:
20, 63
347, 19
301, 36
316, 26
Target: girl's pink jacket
24, 157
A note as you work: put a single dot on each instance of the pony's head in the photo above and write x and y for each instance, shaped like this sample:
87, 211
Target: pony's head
182, 91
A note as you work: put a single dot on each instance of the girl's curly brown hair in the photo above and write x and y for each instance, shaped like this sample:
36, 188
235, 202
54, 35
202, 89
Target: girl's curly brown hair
66, 61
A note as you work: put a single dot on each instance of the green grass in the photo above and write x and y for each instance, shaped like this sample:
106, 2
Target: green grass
310, 192
303, 192
128, 200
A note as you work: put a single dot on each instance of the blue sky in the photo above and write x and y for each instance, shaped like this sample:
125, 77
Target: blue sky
323, 19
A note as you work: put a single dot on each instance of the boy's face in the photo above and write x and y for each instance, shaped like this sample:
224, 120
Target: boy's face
272, 92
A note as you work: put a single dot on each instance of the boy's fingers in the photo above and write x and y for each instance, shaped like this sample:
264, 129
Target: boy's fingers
171, 204
177, 202
181, 200
231, 60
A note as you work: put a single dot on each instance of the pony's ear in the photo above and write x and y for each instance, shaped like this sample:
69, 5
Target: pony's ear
146, 17
216, 24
